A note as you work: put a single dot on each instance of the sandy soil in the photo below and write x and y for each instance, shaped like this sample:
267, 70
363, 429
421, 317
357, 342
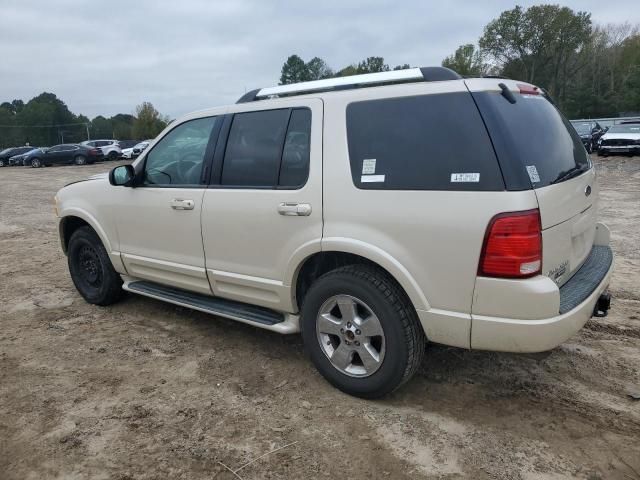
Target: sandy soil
147, 390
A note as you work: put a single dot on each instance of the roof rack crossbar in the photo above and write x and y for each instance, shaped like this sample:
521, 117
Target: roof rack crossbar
427, 74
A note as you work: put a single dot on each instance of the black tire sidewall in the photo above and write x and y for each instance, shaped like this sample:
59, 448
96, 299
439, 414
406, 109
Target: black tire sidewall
80, 238
391, 372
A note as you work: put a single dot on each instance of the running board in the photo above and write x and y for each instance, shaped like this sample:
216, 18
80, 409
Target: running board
258, 316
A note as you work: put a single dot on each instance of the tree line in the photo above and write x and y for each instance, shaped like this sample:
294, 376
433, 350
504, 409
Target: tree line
46, 120
590, 70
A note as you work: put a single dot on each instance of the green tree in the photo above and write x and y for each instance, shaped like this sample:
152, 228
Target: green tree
467, 60
541, 44
148, 123
317, 69
404, 66
294, 70
372, 65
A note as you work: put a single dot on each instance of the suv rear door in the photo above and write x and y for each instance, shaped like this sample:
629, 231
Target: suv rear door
538, 148
262, 212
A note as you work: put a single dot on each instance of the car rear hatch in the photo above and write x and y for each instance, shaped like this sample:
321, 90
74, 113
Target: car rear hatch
538, 149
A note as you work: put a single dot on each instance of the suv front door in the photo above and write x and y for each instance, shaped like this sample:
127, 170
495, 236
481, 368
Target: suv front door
158, 221
263, 210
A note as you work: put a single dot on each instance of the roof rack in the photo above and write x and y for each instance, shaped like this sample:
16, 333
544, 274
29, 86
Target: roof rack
425, 74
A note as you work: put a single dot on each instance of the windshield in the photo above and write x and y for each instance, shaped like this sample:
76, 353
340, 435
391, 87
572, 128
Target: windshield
532, 137
6, 150
582, 128
624, 129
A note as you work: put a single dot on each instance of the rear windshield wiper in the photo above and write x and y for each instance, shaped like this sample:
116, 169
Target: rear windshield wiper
571, 173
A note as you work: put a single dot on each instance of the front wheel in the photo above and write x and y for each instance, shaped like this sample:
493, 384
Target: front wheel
361, 331
36, 163
113, 155
91, 270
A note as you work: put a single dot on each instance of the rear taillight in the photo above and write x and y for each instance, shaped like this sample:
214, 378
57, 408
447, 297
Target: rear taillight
93, 151
512, 246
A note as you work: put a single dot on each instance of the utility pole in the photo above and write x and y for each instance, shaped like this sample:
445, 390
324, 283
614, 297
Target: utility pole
86, 125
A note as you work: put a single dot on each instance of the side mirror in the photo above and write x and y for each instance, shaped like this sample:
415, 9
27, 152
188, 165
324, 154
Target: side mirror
122, 176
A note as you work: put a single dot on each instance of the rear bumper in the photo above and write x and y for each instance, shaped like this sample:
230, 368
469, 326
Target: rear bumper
578, 298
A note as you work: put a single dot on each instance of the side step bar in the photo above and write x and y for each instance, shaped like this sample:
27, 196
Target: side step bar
242, 312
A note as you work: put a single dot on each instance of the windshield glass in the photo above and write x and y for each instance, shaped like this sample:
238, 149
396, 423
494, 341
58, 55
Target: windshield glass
624, 129
534, 133
6, 150
582, 128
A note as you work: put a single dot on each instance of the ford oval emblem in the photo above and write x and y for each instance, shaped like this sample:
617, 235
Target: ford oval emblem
587, 190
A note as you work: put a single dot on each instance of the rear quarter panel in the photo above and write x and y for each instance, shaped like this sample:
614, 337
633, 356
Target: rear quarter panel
429, 240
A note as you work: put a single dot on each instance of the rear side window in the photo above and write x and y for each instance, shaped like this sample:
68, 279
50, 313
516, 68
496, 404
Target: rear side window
535, 144
295, 155
428, 142
268, 148
253, 150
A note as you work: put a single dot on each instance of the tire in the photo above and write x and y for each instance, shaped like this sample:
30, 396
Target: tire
80, 160
113, 155
400, 347
1, 163
91, 270
36, 163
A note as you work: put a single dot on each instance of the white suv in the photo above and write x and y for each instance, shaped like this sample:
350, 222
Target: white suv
371, 213
110, 148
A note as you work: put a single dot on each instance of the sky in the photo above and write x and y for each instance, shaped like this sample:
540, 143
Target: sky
106, 57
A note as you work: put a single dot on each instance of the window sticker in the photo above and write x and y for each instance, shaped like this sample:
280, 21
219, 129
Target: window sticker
465, 177
368, 166
533, 173
372, 178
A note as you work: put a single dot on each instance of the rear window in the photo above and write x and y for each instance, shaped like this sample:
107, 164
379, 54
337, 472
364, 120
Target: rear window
535, 144
427, 142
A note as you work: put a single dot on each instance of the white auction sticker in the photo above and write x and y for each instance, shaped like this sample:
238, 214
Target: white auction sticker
533, 173
368, 166
465, 177
371, 178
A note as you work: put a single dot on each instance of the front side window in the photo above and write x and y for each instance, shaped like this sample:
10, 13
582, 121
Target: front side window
178, 158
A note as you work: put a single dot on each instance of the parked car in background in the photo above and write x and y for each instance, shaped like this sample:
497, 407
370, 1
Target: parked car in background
136, 150
590, 133
7, 153
65, 154
621, 138
127, 143
17, 160
110, 148
37, 152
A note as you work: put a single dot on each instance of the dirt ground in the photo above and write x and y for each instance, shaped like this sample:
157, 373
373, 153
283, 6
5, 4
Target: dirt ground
146, 390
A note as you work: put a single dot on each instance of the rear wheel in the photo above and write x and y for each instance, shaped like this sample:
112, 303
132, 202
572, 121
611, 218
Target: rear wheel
361, 331
1, 163
91, 270
80, 160
36, 163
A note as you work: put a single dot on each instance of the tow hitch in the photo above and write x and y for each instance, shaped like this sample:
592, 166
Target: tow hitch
602, 305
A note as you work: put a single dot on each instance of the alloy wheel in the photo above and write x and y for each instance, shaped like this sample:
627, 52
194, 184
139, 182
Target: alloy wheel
350, 335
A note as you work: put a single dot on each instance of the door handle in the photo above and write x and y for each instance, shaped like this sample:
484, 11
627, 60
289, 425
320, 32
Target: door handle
294, 209
180, 204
